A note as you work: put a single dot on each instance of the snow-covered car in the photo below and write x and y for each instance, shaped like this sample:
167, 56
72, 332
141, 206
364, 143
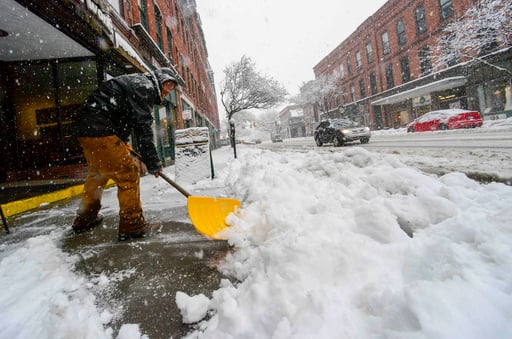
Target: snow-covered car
445, 119
340, 131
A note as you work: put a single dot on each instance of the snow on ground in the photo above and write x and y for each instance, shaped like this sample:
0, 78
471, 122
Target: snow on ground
349, 244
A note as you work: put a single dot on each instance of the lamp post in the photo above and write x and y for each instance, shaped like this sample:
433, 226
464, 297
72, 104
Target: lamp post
232, 134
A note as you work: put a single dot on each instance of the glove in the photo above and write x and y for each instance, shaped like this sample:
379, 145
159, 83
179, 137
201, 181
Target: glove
155, 170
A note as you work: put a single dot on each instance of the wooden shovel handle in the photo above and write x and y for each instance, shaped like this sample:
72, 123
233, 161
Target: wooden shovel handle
174, 184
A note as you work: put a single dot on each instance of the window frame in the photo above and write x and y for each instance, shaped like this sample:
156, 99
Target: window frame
390, 81
386, 47
349, 66
359, 61
405, 69
424, 58
353, 92
373, 83
362, 88
401, 33
421, 20
446, 9
369, 52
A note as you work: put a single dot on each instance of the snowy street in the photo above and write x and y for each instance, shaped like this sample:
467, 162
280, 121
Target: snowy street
484, 154
346, 244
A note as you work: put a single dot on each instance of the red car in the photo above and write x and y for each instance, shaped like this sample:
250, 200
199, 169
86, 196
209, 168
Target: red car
445, 119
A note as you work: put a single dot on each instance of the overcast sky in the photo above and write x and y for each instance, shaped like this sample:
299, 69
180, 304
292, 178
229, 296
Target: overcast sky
285, 38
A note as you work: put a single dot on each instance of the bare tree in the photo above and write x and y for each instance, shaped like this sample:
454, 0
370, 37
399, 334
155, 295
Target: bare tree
482, 29
244, 88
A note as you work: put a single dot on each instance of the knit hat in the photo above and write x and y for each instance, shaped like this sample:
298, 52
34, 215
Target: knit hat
165, 74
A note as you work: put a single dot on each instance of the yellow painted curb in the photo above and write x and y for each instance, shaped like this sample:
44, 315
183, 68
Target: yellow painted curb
20, 206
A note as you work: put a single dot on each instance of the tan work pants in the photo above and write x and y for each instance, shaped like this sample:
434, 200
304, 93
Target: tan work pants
108, 158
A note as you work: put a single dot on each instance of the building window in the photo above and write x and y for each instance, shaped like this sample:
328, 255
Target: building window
373, 83
406, 71
421, 23
385, 43
344, 94
342, 71
454, 57
369, 52
353, 93
349, 66
359, 61
362, 89
400, 31
495, 97
48, 107
446, 7
488, 38
143, 14
389, 76
425, 63
169, 45
158, 23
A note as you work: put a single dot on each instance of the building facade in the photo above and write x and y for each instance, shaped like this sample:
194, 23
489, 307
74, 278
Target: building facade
385, 74
54, 53
291, 122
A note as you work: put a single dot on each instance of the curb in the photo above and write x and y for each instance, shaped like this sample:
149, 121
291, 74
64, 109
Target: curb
25, 205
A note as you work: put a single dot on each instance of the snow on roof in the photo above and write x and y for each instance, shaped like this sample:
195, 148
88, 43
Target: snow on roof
451, 111
296, 112
121, 42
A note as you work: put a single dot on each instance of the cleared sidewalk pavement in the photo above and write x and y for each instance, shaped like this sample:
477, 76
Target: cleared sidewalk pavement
144, 275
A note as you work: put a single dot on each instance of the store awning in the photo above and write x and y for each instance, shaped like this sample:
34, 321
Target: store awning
127, 54
150, 44
436, 86
28, 37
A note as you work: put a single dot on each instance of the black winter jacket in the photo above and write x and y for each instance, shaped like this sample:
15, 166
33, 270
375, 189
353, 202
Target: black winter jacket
122, 105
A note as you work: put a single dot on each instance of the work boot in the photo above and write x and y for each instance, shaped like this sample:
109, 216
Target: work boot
86, 223
87, 218
145, 231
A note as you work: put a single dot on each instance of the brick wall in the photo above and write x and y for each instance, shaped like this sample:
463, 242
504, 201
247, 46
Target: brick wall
370, 32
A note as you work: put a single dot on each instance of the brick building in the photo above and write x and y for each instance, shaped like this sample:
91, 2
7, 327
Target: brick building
54, 53
385, 74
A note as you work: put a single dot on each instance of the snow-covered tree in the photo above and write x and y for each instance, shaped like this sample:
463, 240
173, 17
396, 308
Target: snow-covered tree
319, 92
244, 88
484, 28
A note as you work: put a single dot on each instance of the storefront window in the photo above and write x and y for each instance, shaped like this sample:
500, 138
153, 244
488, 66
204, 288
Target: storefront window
34, 100
495, 100
47, 96
76, 81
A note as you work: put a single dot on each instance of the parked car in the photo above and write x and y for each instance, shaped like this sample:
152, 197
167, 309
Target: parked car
340, 131
275, 137
445, 119
256, 141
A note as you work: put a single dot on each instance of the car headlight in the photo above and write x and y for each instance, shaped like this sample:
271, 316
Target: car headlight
367, 129
346, 131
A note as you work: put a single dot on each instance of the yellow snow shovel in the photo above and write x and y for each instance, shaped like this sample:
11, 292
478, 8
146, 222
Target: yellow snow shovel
207, 214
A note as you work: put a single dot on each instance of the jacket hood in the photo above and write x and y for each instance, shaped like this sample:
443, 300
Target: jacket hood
165, 74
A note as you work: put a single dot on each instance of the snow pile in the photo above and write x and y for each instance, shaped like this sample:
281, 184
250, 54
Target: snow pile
348, 244
42, 297
357, 245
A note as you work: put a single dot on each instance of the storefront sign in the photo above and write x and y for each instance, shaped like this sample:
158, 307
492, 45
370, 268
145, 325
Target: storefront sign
187, 114
421, 101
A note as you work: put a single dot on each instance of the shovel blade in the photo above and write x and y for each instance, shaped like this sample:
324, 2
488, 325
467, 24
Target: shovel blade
208, 214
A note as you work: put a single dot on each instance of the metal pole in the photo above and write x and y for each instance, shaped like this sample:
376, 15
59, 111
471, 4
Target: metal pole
4, 220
